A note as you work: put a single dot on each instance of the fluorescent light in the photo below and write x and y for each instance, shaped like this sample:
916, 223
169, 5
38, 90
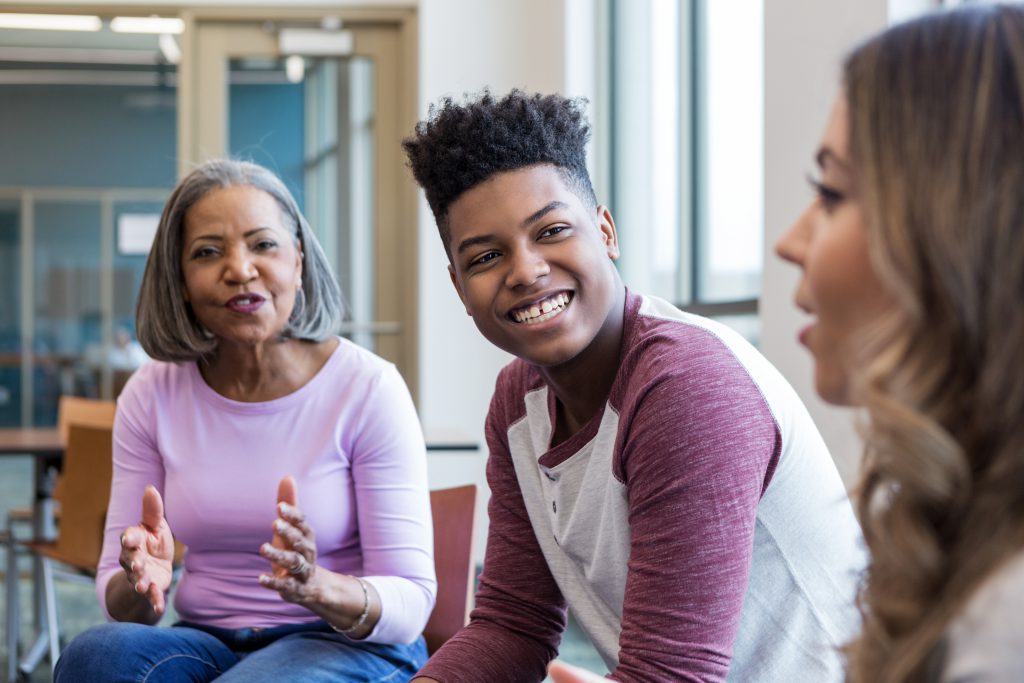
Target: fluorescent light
295, 68
314, 42
51, 22
169, 48
147, 25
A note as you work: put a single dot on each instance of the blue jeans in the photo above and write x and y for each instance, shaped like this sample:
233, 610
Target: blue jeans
310, 652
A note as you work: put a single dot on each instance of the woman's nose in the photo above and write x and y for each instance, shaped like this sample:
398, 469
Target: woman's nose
240, 266
792, 245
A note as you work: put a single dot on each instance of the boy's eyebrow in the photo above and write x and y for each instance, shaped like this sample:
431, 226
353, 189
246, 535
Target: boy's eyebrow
473, 241
532, 218
537, 215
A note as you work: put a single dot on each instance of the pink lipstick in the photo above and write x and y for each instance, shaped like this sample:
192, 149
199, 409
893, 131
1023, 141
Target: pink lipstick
245, 303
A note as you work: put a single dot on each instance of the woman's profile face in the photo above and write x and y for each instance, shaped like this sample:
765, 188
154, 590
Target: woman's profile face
240, 264
829, 242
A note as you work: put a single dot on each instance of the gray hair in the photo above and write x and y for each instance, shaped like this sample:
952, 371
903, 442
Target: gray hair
166, 325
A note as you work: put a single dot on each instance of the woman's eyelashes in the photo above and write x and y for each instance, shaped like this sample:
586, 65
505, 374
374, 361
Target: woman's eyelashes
209, 251
829, 196
203, 252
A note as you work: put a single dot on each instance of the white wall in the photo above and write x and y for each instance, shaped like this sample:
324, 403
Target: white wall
466, 45
805, 41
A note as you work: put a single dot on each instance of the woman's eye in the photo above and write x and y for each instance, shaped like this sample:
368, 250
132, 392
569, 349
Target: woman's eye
204, 252
263, 245
829, 197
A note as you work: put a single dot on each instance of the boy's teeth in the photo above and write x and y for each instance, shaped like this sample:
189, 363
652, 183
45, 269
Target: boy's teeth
542, 311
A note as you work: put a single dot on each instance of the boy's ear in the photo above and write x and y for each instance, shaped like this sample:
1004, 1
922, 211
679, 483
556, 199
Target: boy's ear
606, 226
458, 288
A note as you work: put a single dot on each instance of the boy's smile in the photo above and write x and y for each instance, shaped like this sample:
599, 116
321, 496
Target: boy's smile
533, 264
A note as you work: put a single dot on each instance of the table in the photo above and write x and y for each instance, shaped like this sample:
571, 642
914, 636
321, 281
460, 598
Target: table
45, 447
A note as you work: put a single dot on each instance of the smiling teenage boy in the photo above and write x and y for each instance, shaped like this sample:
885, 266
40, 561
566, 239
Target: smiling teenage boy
649, 470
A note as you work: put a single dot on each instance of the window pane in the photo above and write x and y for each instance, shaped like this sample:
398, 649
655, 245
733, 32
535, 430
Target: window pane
731, 141
647, 188
10, 314
66, 298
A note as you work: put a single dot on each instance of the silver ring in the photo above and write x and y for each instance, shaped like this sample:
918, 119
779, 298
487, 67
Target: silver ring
301, 569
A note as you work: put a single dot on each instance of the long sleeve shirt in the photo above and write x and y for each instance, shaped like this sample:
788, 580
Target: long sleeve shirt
351, 439
696, 526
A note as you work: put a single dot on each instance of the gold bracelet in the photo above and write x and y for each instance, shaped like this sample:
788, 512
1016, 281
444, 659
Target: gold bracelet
362, 617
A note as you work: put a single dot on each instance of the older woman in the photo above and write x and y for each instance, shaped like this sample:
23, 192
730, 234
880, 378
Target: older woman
912, 256
254, 401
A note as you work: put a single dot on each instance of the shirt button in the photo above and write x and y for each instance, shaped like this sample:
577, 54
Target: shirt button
554, 507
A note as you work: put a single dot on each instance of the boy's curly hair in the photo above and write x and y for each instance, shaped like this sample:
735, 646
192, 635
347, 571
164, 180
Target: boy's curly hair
460, 146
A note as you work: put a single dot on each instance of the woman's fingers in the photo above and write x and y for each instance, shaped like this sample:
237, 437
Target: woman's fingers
293, 537
290, 588
289, 562
288, 491
295, 517
132, 538
156, 598
152, 508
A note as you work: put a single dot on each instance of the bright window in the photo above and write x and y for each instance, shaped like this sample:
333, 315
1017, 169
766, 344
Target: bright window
687, 152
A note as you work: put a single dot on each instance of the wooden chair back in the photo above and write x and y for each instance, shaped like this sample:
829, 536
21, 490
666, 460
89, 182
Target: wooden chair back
88, 470
77, 410
453, 513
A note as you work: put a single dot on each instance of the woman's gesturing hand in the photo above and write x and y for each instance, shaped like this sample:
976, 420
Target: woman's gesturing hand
292, 550
564, 673
147, 552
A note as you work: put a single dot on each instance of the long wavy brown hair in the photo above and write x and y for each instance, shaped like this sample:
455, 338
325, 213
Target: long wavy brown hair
937, 140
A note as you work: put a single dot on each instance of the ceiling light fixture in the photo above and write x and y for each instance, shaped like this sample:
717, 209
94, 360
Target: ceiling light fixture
295, 68
169, 48
51, 22
168, 25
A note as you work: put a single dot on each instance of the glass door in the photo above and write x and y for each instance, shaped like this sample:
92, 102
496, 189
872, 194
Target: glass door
324, 108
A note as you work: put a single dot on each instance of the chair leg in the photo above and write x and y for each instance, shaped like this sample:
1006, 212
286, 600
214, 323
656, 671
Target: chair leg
13, 612
53, 629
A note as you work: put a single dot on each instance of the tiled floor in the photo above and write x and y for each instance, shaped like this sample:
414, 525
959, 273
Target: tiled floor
79, 611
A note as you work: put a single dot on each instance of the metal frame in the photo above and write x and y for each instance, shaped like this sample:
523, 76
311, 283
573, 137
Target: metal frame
29, 197
691, 206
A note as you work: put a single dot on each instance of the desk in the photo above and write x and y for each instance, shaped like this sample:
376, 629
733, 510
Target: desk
44, 445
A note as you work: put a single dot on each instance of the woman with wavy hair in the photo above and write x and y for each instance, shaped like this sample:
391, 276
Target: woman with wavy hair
913, 267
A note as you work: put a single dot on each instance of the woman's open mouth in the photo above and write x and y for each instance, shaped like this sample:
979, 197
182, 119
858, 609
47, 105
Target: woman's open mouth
245, 303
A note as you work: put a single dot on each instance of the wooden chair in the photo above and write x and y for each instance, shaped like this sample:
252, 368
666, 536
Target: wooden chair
71, 410
453, 513
87, 475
